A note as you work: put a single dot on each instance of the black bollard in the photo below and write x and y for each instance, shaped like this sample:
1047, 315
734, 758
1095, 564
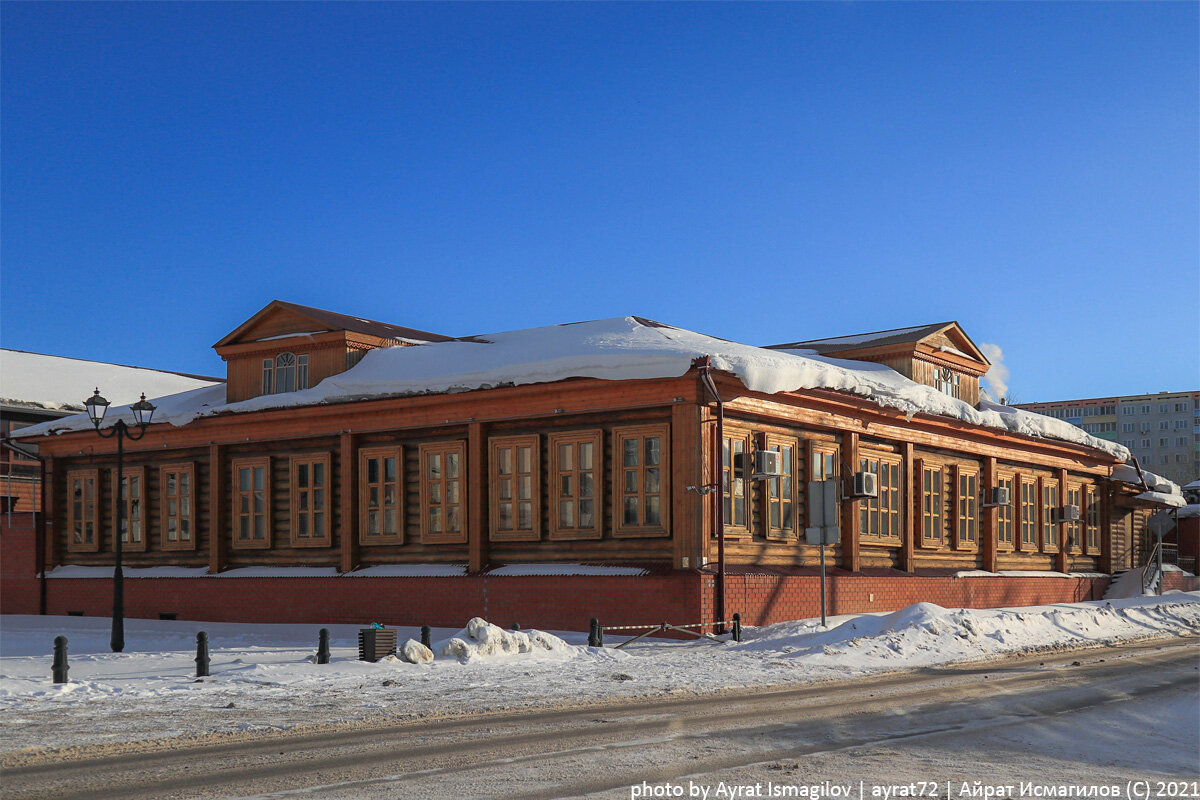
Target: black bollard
595, 634
201, 654
516, 626
425, 640
60, 667
323, 646
737, 627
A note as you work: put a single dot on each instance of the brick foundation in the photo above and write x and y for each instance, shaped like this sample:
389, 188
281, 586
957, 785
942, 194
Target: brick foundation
552, 602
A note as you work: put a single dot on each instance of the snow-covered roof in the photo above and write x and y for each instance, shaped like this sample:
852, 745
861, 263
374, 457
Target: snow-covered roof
58, 383
621, 348
1127, 473
1190, 511
1163, 498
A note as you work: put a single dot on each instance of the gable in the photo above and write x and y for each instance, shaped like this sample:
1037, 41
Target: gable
275, 319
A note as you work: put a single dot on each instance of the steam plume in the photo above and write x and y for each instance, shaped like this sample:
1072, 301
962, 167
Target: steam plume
997, 376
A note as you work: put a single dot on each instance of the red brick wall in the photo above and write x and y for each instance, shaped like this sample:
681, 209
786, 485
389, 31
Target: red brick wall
1184, 583
767, 599
18, 559
560, 603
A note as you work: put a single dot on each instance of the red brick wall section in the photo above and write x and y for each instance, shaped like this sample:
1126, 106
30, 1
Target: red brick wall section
18, 560
1181, 582
556, 603
767, 599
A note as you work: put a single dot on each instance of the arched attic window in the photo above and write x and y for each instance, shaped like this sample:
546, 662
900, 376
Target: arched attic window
948, 382
287, 372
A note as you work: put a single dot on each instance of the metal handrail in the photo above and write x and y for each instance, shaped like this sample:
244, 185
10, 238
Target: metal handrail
1152, 569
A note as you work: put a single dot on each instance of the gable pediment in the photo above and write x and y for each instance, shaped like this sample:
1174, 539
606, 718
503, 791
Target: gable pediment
275, 320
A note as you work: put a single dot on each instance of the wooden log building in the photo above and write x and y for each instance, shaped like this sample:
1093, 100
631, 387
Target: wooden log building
601, 461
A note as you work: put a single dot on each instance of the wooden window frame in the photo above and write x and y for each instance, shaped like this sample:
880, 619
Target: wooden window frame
868, 507
457, 448
236, 516
1027, 516
1091, 520
746, 436
772, 488
1007, 515
927, 510
128, 474
642, 432
496, 445
365, 537
165, 516
295, 513
83, 517
966, 509
575, 438
1049, 510
1072, 532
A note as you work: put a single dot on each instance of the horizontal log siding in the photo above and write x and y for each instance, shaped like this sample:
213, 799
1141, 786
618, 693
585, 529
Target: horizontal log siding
151, 514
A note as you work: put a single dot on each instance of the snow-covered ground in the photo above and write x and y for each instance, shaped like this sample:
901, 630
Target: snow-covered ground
264, 677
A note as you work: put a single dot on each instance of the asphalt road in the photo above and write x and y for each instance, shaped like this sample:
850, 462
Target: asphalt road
608, 749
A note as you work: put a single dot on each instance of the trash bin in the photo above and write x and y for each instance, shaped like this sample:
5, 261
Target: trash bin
375, 643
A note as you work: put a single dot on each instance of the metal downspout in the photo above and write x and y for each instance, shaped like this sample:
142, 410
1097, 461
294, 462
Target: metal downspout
706, 378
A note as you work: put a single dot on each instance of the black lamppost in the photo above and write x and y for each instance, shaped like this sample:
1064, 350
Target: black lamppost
142, 412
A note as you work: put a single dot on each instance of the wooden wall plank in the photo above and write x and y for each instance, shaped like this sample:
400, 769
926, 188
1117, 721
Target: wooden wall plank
217, 536
347, 502
850, 534
478, 518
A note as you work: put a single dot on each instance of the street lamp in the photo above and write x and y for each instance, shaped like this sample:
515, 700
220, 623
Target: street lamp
142, 410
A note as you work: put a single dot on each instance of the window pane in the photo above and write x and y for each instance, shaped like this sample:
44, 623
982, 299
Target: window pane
566, 456
653, 450
652, 485
586, 515
524, 459
652, 511
244, 480
566, 482
631, 511
504, 460
631, 480
452, 465
585, 455
525, 516
433, 465
525, 487
585, 484
505, 517
566, 513
302, 475
504, 486
435, 520
452, 492
318, 474
452, 519
629, 450
389, 468
258, 478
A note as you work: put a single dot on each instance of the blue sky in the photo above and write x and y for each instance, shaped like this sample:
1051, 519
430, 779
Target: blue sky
763, 173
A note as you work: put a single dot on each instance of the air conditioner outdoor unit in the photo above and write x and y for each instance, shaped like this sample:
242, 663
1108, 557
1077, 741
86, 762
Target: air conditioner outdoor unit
866, 484
767, 464
1000, 496
1068, 514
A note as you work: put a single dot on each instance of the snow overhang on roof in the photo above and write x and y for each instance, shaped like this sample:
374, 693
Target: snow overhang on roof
1127, 473
1162, 498
58, 383
621, 348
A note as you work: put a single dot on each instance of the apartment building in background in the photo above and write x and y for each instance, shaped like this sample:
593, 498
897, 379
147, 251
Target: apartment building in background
1161, 430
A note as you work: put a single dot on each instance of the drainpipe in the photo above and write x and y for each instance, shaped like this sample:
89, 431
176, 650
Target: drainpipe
39, 545
706, 378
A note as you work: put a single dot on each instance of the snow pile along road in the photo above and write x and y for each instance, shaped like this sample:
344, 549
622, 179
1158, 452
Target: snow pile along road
264, 677
481, 640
